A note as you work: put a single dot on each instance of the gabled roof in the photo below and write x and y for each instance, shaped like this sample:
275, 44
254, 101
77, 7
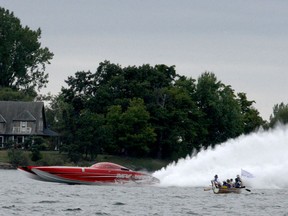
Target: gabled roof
2, 120
25, 116
22, 111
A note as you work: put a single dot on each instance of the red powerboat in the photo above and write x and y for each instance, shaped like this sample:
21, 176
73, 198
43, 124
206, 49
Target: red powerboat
99, 173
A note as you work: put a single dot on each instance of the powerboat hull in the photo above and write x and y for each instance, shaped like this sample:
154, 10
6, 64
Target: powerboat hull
100, 173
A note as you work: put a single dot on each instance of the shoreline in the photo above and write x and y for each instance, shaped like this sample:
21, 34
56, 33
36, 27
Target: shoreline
53, 158
6, 166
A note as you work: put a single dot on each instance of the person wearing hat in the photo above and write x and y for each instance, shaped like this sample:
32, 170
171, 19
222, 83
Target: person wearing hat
216, 181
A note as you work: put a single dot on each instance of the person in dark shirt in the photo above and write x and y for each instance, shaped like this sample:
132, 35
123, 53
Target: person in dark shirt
216, 181
238, 182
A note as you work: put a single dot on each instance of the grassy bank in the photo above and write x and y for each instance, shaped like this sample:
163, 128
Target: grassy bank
55, 158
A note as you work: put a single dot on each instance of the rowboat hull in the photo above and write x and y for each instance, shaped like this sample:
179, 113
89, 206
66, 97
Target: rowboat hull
225, 189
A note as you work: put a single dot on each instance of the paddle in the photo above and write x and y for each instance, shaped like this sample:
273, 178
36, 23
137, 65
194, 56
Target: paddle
207, 189
246, 189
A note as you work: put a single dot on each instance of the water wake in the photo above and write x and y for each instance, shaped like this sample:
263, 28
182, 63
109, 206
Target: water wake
263, 153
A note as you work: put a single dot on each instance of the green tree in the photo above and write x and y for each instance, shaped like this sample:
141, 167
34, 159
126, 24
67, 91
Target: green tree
175, 117
22, 60
113, 127
90, 136
280, 114
184, 118
151, 84
112, 86
222, 111
183, 114
131, 129
251, 117
54, 111
83, 132
9, 94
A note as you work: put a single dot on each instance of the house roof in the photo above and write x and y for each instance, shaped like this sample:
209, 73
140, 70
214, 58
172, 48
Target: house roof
21, 111
48, 132
24, 116
2, 120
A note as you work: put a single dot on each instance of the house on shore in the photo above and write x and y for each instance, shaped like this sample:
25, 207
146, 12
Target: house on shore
20, 121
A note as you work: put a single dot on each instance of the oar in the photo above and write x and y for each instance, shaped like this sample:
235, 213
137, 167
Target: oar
207, 189
246, 189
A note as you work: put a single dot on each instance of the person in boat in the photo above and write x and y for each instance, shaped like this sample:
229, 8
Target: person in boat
216, 181
229, 183
238, 182
232, 183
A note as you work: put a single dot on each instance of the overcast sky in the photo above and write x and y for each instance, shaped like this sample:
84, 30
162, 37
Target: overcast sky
245, 43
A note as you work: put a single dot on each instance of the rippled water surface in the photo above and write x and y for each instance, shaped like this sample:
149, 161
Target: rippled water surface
23, 196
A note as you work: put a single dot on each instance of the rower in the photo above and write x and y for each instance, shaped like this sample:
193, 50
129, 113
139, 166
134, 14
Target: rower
229, 183
216, 181
238, 182
232, 183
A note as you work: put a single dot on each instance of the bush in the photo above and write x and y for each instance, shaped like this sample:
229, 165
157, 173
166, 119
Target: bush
17, 157
51, 160
35, 155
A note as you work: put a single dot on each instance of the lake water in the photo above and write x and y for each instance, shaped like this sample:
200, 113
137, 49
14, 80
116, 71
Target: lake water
20, 195
263, 154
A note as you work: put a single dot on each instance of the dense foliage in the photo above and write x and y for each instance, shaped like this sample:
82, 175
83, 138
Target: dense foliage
22, 60
148, 111
280, 114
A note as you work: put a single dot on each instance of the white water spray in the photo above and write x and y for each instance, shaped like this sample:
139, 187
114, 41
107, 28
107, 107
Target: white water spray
264, 154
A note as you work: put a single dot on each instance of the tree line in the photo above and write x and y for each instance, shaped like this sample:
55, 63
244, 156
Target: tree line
140, 111
148, 111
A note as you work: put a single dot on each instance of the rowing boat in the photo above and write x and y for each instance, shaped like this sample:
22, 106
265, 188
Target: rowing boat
225, 189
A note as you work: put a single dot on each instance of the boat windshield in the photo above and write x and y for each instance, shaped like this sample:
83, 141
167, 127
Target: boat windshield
108, 165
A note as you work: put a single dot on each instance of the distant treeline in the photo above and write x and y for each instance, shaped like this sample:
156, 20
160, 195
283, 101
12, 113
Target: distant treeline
147, 111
